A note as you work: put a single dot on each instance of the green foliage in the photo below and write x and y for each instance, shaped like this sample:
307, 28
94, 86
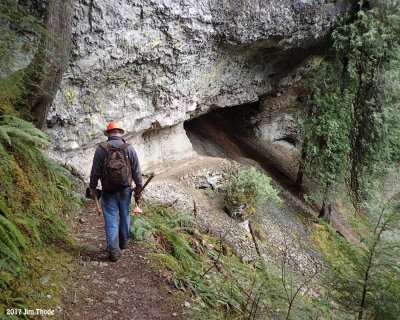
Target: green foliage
221, 286
326, 127
166, 224
139, 227
179, 246
211, 192
369, 51
351, 129
11, 91
164, 261
34, 192
365, 278
247, 187
18, 25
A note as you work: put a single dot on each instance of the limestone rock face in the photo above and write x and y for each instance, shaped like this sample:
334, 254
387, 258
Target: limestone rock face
152, 64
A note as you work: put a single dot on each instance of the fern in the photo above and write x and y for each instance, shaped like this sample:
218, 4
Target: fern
30, 226
28, 151
4, 161
4, 136
4, 210
24, 135
180, 248
8, 241
13, 231
25, 126
7, 252
139, 227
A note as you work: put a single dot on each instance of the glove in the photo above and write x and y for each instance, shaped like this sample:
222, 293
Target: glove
137, 198
137, 191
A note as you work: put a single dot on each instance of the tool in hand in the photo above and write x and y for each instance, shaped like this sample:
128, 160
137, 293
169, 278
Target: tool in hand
95, 196
137, 195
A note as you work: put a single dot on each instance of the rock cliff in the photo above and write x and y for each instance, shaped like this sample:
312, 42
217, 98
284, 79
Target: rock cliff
154, 64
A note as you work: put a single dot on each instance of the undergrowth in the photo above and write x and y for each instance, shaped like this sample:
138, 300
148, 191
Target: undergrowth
246, 190
220, 285
34, 195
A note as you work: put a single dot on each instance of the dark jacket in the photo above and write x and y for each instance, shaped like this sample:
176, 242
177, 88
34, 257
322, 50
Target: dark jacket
100, 156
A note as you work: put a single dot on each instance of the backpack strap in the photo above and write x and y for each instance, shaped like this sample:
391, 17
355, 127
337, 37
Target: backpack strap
124, 146
105, 146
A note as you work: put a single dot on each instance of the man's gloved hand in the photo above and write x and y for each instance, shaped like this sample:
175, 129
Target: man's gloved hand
137, 195
137, 190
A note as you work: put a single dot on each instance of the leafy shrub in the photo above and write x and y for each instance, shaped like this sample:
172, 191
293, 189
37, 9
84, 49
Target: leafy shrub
211, 192
247, 190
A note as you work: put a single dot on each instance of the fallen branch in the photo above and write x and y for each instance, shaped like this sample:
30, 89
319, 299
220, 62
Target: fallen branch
253, 236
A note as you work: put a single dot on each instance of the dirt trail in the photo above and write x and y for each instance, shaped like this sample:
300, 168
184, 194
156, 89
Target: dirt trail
126, 289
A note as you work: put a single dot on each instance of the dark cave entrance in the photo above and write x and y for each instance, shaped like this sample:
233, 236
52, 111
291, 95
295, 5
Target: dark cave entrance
213, 134
230, 133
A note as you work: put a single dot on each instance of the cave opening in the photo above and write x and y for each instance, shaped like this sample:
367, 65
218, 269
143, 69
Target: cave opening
249, 135
214, 133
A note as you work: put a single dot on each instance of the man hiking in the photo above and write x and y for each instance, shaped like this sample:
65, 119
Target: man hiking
116, 164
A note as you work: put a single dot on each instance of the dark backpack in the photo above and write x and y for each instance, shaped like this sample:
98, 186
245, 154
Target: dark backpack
117, 171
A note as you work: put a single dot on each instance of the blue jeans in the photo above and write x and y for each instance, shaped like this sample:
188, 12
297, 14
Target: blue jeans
114, 205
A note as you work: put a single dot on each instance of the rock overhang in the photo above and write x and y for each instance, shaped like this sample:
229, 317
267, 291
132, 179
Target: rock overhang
154, 64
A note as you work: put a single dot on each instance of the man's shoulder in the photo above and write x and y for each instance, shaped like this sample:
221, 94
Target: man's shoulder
101, 147
131, 148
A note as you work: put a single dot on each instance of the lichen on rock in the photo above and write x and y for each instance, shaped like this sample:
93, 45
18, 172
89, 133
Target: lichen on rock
154, 64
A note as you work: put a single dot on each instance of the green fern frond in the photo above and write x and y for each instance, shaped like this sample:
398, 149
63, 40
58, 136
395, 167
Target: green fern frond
25, 126
5, 165
4, 136
25, 135
13, 231
28, 151
139, 227
6, 251
4, 210
31, 228
180, 248
8, 242
183, 220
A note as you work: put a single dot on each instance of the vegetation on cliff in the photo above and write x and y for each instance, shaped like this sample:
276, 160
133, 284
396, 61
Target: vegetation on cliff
351, 142
351, 129
35, 192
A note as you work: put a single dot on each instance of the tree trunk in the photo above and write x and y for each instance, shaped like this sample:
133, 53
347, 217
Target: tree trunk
51, 59
300, 172
364, 293
327, 204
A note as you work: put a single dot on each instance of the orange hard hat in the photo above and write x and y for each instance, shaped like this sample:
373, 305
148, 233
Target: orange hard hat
113, 125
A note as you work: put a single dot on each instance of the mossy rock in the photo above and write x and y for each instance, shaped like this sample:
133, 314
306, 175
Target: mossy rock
162, 261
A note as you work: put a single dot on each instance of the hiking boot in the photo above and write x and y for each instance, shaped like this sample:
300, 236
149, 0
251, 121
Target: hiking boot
114, 256
123, 245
